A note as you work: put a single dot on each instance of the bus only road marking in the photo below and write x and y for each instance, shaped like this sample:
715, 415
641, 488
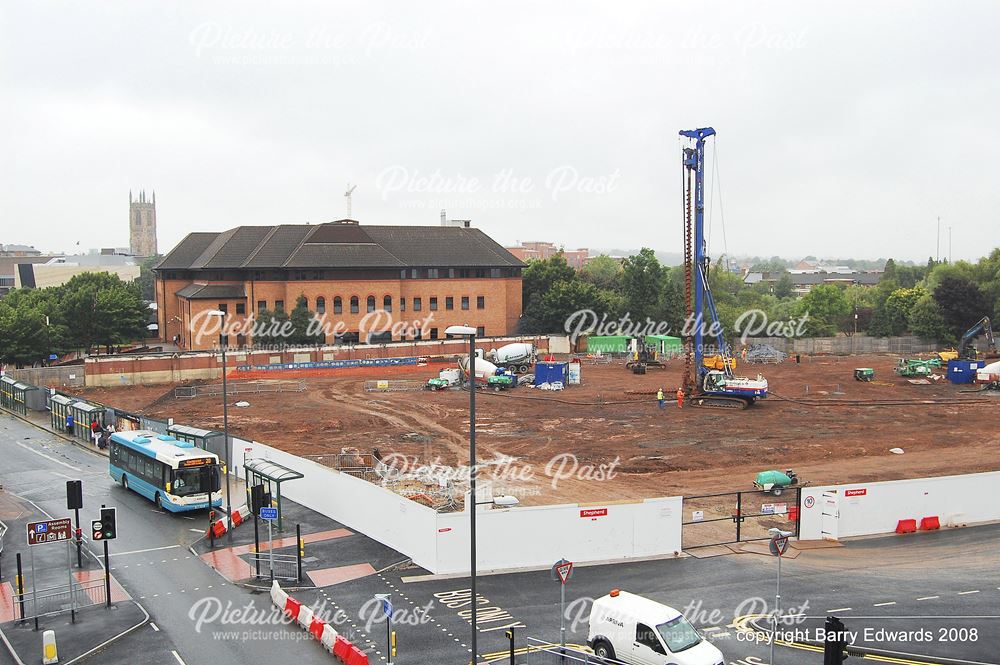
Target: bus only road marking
151, 549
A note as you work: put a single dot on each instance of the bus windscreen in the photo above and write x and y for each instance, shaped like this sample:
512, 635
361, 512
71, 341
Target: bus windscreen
197, 480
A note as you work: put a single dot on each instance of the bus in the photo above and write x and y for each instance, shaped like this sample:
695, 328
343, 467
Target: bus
173, 474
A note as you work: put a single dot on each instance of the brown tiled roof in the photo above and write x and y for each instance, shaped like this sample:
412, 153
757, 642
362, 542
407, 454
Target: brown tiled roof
338, 245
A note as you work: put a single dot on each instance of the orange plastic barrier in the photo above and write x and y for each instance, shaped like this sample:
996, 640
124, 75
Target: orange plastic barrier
930, 523
906, 526
316, 628
342, 648
292, 608
237, 518
356, 657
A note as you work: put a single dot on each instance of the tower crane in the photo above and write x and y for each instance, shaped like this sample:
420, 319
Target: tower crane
716, 385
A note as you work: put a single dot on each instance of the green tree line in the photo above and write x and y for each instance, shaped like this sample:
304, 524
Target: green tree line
91, 310
936, 301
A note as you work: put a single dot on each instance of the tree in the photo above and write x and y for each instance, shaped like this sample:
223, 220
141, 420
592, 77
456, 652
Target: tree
827, 308
892, 317
24, 335
565, 298
301, 319
927, 321
961, 302
147, 280
784, 287
541, 275
603, 272
642, 282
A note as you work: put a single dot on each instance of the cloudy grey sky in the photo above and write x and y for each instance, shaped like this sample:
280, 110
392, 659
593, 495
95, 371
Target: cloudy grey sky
845, 128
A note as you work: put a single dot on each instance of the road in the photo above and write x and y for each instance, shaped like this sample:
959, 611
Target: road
152, 562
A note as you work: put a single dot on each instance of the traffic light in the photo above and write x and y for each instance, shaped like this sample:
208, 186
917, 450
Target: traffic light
74, 495
259, 499
109, 527
834, 644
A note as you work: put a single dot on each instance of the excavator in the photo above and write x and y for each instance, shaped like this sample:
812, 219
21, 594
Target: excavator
967, 349
712, 383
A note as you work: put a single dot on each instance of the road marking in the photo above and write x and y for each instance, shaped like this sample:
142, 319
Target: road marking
841, 609
153, 626
178, 657
929, 598
891, 602
966, 593
151, 549
48, 457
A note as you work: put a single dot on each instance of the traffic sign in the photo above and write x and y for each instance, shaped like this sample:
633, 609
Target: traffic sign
49, 531
778, 545
562, 570
96, 527
268, 513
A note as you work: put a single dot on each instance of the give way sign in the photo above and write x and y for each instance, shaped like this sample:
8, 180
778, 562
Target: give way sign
562, 570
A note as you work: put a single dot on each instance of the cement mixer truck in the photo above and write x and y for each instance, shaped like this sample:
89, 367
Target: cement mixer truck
488, 375
515, 357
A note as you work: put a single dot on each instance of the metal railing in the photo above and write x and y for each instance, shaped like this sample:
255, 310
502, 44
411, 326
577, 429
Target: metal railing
539, 652
286, 566
240, 387
61, 598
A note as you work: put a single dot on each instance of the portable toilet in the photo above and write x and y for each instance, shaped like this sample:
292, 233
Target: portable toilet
551, 373
963, 371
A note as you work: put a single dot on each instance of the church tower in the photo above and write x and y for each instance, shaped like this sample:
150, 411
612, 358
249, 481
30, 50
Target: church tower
142, 225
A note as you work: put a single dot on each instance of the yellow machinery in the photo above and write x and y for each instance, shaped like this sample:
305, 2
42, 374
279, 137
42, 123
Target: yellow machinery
717, 362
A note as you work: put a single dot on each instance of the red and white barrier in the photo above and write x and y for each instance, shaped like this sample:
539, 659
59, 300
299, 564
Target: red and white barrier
323, 632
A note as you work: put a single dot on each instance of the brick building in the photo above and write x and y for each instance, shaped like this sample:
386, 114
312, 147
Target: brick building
528, 251
421, 279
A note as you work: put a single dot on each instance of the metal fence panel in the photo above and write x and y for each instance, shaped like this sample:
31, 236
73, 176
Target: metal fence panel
63, 598
286, 566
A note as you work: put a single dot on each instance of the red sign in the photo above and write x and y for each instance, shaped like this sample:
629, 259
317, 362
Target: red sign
444, 530
860, 492
563, 570
593, 512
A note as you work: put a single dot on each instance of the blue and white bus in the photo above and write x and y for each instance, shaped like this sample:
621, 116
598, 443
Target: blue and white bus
175, 475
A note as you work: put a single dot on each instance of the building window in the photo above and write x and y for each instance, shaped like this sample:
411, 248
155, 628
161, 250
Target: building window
432, 273
480, 272
413, 273
451, 273
434, 333
465, 302
371, 304
449, 303
387, 303
417, 305
354, 305
338, 305
480, 302
402, 273
495, 273
224, 308
463, 272
434, 303
481, 331
418, 334
279, 305
320, 305
402, 304
261, 306
241, 308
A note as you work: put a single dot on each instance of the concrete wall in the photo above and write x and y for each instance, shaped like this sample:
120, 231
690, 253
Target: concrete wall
508, 539
874, 508
843, 345
539, 536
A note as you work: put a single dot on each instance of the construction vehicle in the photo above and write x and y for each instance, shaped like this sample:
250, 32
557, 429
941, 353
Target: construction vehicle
484, 368
500, 382
706, 387
910, 367
515, 357
719, 362
866, 374
643, 355
967, 347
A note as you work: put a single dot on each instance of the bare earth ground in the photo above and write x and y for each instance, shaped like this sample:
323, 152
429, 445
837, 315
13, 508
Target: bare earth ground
660, 452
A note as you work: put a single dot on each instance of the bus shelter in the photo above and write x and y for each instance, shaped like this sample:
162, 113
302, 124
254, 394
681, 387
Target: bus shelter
270, 475
207, 439
13, 395
85, 413
59, 408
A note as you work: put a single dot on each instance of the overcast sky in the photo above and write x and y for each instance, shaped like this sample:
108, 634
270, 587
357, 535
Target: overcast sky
844, 129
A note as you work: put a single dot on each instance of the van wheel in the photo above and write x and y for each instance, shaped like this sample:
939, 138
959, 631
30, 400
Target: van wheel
776, 491
604, 650
124, 482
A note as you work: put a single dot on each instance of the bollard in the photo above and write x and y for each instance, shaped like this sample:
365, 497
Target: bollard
50, 654
301, 551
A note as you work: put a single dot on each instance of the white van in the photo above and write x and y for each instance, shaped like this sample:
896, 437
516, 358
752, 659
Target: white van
639, 631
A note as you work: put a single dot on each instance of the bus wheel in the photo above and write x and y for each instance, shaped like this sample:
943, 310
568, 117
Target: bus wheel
124, 482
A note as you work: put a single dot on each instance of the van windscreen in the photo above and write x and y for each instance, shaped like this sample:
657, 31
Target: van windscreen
678, 634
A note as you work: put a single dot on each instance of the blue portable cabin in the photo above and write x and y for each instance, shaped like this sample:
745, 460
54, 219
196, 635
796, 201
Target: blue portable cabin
963, 371
551, 373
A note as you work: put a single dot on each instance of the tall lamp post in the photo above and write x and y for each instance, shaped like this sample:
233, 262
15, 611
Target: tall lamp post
470, 332
224, 342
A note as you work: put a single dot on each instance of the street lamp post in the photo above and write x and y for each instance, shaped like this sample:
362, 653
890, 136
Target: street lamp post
467, 331
224, 342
